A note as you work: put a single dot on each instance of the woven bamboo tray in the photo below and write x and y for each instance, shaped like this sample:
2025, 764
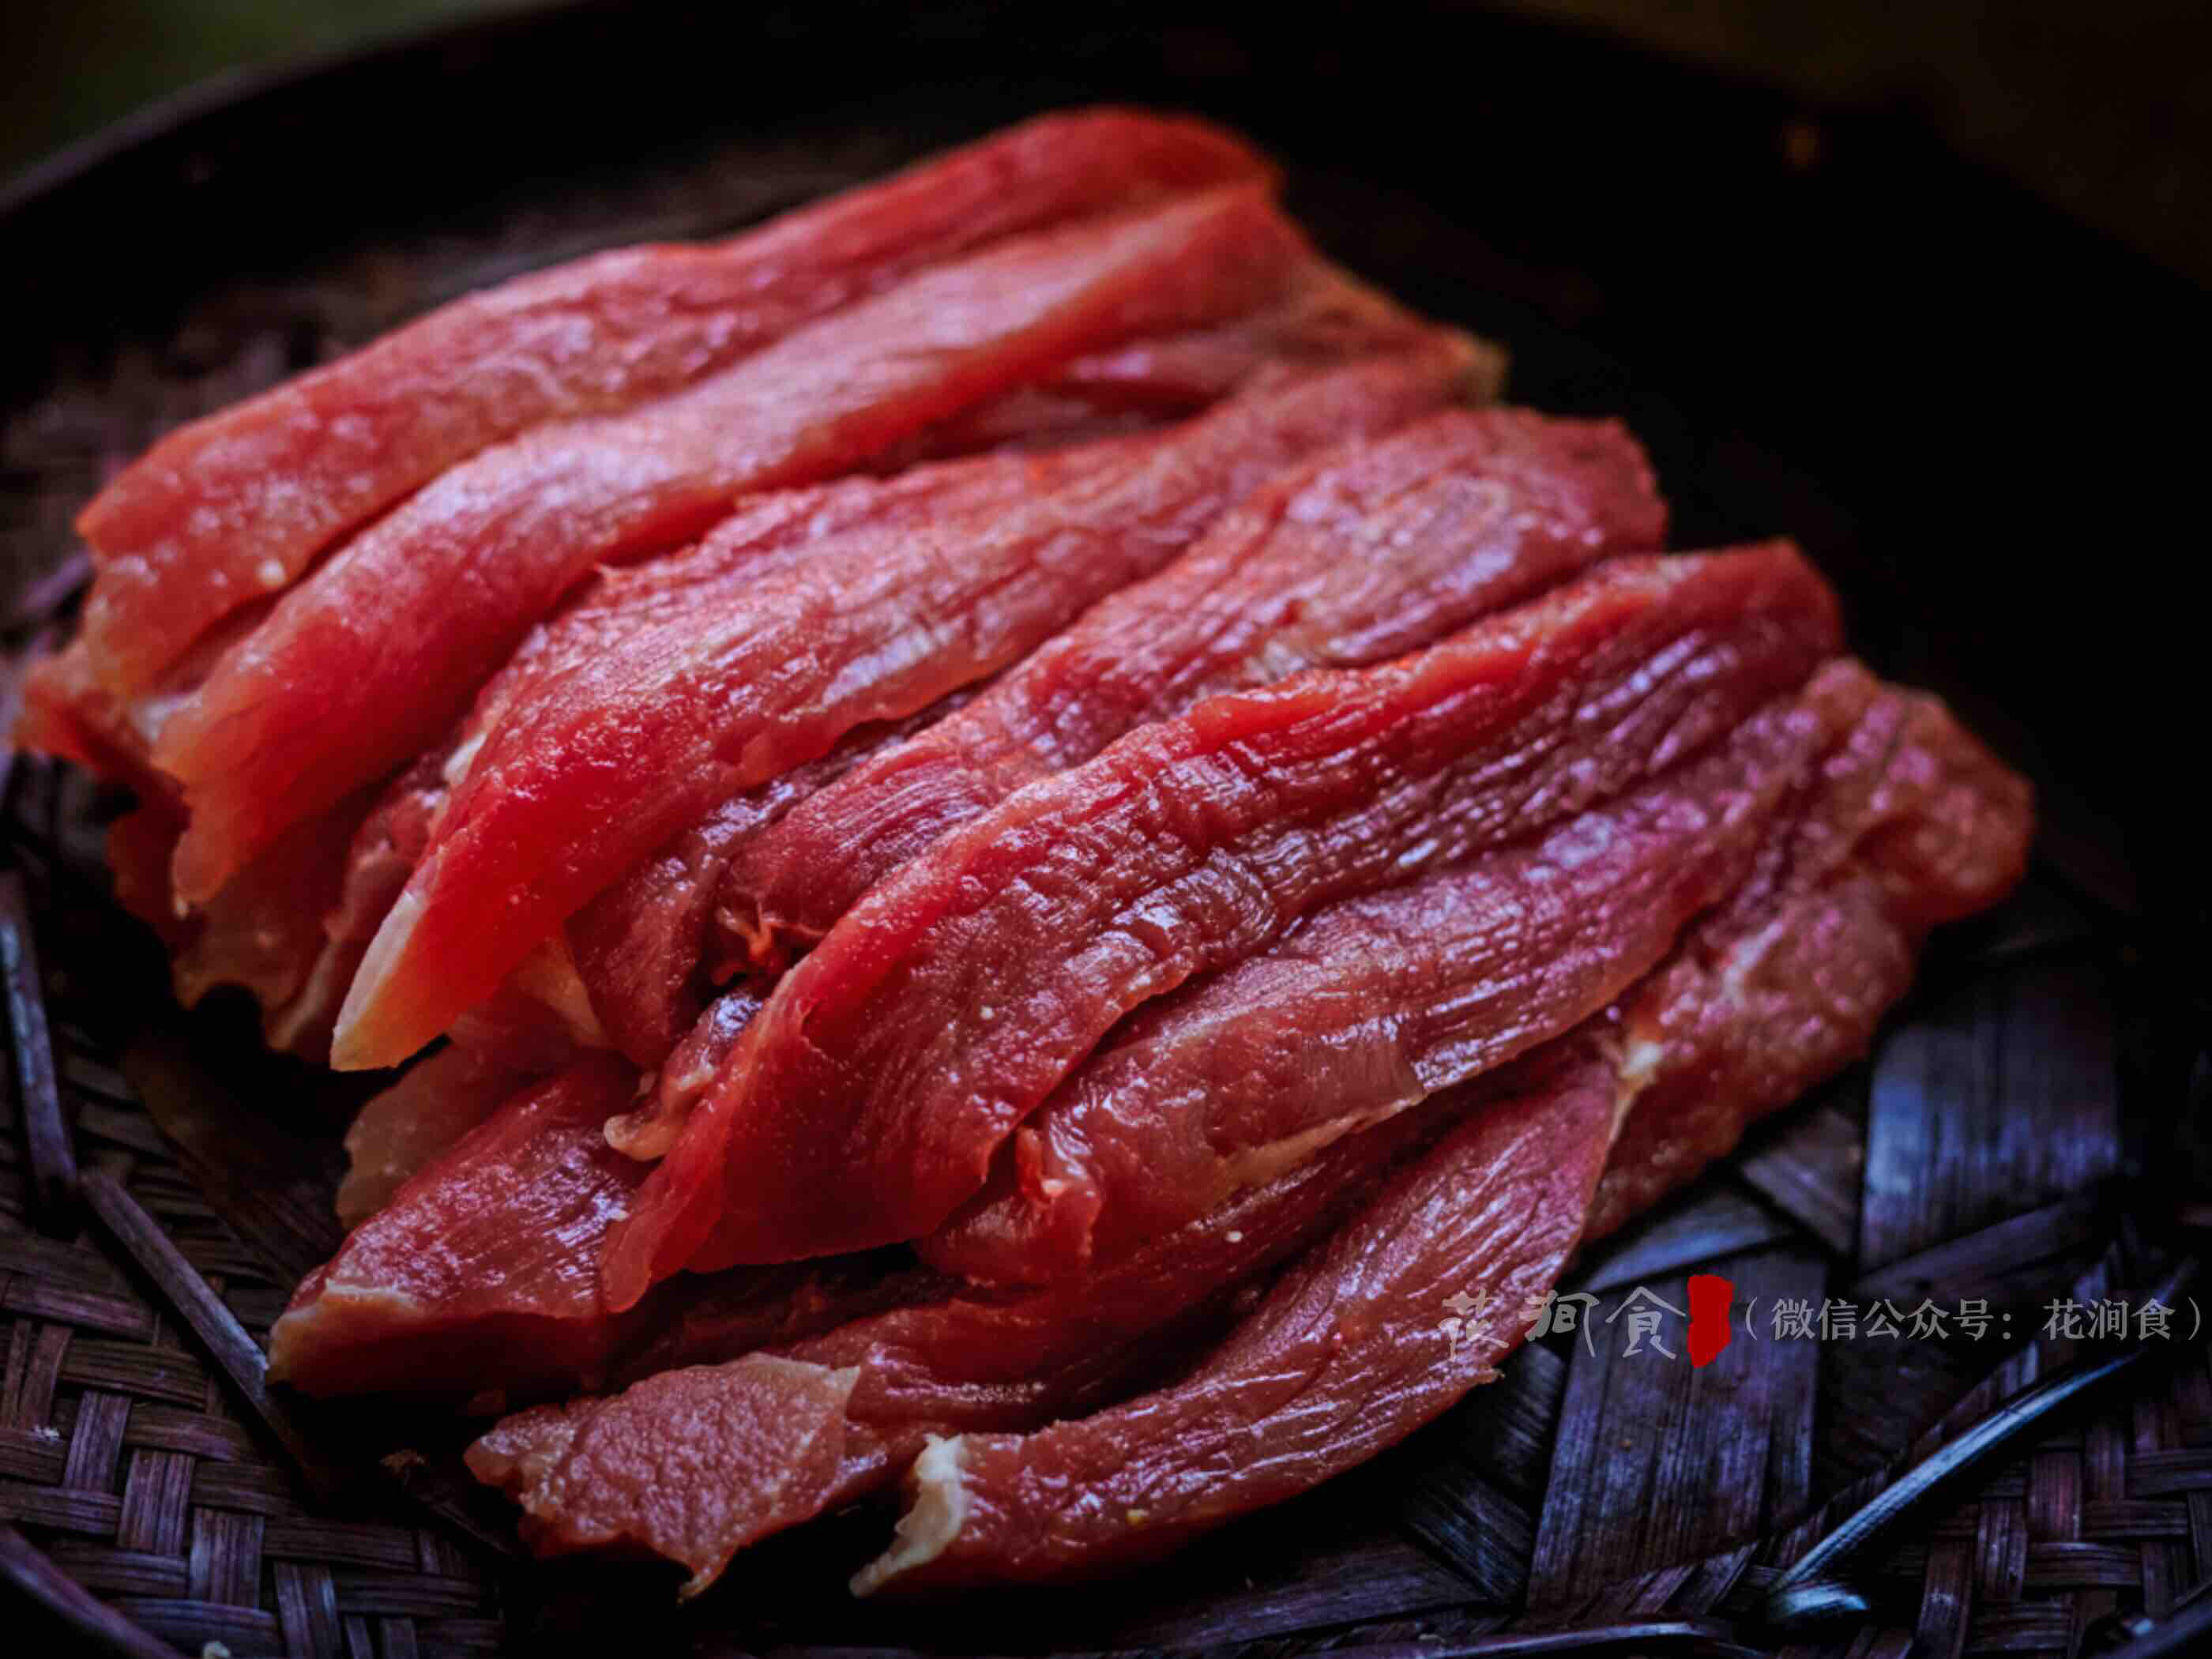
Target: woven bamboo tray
2030, 1125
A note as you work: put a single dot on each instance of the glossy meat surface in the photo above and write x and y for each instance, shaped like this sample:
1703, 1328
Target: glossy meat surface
867, 1098
370, 658
403, 1131
1372, 551
713, 672
479, 1267
1355, 1347
1367, 1008
235, 506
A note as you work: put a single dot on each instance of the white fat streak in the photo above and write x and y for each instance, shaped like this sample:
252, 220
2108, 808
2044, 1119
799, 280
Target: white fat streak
1641, 1056
456, 769
384, 953
548, 975
932, 1521
300, 1331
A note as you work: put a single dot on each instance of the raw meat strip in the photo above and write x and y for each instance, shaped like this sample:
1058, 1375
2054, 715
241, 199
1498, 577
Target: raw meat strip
695, 1462
649, 945
1350, 1352
642, 944
1324, 317
264, 930
233, 506
867, 1098
478, 1267
1954, 824
1367, 1008
1909, 822
479, 1274
1373, 550
715, 673
408, 1127
1904, 821
363, 665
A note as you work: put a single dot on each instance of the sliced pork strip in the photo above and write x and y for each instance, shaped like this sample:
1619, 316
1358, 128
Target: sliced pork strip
868, 1098
1367, 1008
1369, 552
369, 660
233, 507
755, 666
1353, 1349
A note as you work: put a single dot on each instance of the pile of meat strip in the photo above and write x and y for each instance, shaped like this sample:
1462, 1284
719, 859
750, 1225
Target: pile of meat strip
1014, 831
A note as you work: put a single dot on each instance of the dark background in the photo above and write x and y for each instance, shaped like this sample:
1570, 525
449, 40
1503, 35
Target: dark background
2103, 107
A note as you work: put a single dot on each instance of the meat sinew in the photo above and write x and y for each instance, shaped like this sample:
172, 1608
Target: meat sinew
1368, 553
867, 1098
710, 674
371, 659
233, 506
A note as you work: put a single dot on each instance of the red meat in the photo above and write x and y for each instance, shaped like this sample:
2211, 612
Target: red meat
231, 507
869, 1096
1367, 1008
1355, 1347
369, 659
1374, 551
710, 674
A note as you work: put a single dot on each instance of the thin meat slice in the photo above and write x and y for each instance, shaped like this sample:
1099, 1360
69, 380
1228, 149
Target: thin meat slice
1908, 823
1369, 552
1325, 316
408, 1127
721, 669
868, 1098
363, 665
642, 944
1367, 1008
479, 1272
1904, 822
695, 1461
233, 506
1357, 1346
1354, 1348
478, 1267
651, 944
